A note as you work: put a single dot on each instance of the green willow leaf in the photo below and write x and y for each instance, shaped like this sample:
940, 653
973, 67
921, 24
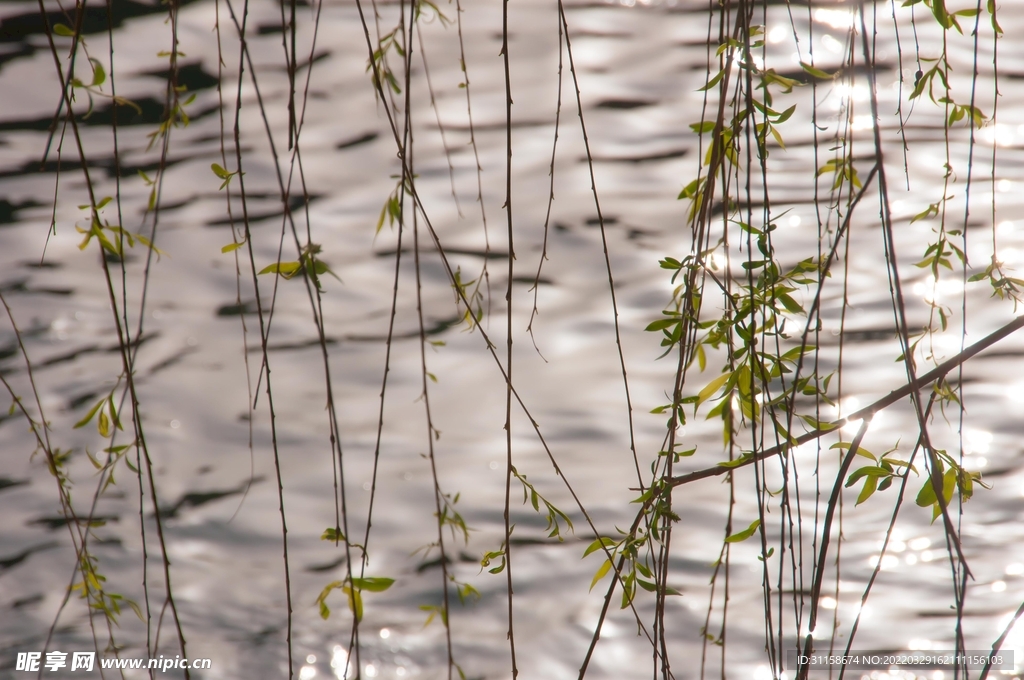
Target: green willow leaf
816, 72
285, 269
373, 584
712, 387
600, 573
745, 534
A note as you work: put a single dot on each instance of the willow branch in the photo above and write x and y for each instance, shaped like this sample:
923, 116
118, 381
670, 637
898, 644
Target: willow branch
868, 411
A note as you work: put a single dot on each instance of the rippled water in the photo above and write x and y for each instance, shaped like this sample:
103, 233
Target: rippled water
640, 67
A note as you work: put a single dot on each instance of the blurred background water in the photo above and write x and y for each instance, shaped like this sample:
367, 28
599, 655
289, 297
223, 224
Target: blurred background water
640, 66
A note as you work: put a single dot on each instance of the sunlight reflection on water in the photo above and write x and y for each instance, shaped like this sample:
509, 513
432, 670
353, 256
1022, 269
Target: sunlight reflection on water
836, 18
196, 403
